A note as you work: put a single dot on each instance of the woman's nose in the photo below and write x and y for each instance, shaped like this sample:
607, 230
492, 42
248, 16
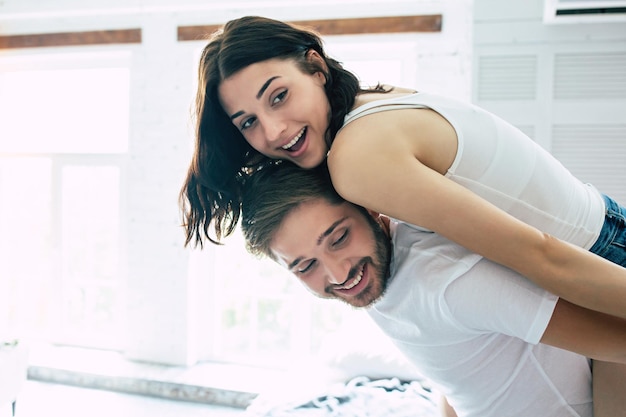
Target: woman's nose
274, 128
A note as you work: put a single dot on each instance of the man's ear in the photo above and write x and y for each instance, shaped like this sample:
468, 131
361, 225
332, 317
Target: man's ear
381, 219
375, 215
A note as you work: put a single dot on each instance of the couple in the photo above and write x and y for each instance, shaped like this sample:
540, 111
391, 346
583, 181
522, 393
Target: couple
267, 90
493, 342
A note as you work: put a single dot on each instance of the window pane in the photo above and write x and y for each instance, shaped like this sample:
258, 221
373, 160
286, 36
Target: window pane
90, 217
267, 316
29, 274
64, 110
67, 270
275, 321
90, 213
328, 315
236, 332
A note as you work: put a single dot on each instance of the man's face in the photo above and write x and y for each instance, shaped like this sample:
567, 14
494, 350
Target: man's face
337, 251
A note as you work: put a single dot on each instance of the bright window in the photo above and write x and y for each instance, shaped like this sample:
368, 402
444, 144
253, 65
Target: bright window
266, 317
64, 110
63, 134
90, 248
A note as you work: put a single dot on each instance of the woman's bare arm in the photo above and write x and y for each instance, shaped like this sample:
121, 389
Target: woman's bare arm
609, 389
387, 176
590, 333
598, 336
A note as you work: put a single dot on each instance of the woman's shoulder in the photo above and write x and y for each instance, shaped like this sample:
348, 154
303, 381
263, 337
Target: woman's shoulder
377, 134
389, 113
394, 128
389, 92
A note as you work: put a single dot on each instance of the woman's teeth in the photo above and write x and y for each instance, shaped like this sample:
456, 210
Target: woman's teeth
294, 140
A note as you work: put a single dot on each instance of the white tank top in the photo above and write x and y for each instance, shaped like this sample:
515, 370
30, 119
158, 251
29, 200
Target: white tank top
505, 167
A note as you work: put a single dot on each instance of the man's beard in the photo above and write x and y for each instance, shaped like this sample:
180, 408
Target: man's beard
379, 274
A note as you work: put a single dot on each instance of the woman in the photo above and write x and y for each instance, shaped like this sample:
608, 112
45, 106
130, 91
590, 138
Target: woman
267, 90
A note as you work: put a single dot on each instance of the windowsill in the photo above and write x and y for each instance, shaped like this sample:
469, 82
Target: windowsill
211, 383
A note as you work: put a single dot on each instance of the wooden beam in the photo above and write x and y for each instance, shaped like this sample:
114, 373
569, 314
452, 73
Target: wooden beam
367, 25
99, 37
394, 24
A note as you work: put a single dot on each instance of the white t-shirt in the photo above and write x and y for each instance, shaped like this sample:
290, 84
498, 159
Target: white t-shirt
472, 326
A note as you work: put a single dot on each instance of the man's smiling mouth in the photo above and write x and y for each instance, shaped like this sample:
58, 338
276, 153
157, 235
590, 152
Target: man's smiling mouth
353, 283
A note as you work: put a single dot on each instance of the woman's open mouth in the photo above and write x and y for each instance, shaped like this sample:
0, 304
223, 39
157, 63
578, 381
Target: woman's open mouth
296, 143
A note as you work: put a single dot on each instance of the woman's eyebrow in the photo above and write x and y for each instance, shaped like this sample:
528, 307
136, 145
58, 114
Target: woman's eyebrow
258, 95
264, 86
236, 115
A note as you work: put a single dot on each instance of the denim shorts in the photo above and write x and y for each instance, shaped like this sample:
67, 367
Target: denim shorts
611, 243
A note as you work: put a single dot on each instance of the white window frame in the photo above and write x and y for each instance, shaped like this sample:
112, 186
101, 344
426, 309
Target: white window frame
59, 332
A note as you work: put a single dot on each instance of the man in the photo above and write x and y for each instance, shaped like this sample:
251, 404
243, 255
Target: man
493, 342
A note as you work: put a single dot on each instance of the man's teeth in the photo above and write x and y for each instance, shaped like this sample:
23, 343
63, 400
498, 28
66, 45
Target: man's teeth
294, 140
354, 282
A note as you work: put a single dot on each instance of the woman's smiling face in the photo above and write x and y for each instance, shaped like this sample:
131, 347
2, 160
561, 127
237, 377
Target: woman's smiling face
281, 111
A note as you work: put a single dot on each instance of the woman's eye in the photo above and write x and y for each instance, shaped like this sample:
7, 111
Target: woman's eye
279, 97
308, 267
247, 123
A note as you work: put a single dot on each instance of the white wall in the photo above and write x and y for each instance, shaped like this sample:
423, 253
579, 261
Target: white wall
563, 83
169, 289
